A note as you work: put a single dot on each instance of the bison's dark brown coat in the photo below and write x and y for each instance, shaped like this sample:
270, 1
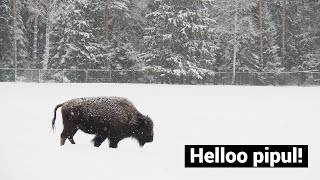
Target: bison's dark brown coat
114, 118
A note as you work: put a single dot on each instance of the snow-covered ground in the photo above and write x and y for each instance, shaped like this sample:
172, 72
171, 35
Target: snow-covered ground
181, 114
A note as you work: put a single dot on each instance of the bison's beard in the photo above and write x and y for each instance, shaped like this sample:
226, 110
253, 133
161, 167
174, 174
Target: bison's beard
141, 143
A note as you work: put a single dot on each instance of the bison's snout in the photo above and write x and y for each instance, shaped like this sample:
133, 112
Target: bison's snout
144, 138
150, 139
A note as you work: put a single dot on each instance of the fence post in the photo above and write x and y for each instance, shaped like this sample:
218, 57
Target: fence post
39, 78
86, 75
110, 77
134, 77
15, 74
147, 75
62, 75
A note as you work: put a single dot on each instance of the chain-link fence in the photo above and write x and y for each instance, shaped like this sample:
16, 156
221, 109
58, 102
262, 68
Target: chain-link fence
73, 76
144, 76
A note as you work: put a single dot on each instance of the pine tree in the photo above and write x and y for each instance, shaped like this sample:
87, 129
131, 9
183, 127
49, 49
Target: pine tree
24, 58
30, 35
58, 37
50, 5
298, 37
239, 36
125, 30
77, 39
6, 34
311, 42
177, 39
292, 60
272, 37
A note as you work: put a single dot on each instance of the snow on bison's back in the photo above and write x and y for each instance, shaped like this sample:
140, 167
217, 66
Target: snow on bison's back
112, 118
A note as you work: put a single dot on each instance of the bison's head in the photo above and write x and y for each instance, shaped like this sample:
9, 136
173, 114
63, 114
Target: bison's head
144, 130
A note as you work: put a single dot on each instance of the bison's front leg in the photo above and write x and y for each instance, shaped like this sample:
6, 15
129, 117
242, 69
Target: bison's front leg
113, 142
98, 139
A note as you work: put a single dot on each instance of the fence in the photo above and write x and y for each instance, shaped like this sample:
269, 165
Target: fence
144, 76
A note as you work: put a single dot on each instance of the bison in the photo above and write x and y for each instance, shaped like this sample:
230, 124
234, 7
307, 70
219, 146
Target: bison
112, 118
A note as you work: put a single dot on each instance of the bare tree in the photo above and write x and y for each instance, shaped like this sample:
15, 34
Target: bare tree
283, 28
261, 31
107, 30
107, 22
235, 45
14, 4
234, 22
302, 16
35, 31
48, 27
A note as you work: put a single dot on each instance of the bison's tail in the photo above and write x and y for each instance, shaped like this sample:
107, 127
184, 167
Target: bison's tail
54, 117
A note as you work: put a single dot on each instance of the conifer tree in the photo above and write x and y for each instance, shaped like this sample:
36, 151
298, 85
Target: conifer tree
6, 34
78, 36
125, 27
177, 39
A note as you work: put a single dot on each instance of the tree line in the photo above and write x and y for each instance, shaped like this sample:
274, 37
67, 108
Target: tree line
179, 39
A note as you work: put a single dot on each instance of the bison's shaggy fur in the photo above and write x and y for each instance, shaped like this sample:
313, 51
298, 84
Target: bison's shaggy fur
112, 118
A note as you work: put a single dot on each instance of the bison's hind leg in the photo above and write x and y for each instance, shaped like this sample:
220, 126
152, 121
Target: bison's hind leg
62, 140
69, 128
68, 133
71, 136
98, 140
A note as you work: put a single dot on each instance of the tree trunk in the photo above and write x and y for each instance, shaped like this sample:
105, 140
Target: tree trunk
283, 29
261, 32
235, 46
314, 23
107, 22
35, 31
108, 64
48, 28
302, 17
15, 63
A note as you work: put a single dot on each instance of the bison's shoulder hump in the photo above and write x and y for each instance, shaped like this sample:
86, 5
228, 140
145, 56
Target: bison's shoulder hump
101, 103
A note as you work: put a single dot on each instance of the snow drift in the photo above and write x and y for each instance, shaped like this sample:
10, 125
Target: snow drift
182, 114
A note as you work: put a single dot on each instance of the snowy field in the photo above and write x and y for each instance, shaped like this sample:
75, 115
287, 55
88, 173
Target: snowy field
182, 115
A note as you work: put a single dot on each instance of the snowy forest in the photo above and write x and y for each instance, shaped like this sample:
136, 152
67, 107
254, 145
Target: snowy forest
175, 41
